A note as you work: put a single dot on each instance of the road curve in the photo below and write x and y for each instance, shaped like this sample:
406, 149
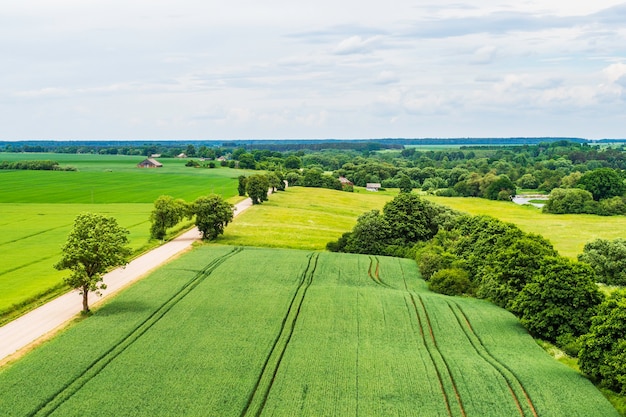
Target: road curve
19, 334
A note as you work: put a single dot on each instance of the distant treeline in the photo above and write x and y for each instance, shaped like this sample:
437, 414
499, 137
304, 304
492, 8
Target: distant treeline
173, 147
35, 166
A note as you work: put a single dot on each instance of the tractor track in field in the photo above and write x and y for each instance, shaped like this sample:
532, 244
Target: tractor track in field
54, 401
41, 232
434, 342
375, 275
413, 309
261, 390
509, 376
17, 268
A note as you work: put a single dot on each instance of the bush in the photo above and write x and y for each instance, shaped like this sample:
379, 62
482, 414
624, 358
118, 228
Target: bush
603, 352
446, 192
570, 200
452, 281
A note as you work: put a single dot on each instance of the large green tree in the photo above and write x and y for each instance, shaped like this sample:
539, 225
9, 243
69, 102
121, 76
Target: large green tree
608, 260
405, 184
509, 268
167, 213
370, 235
569, 200
213, 214
95, 244
602, 183
560, 300
410, 219
603, 352
257, 187
241, 185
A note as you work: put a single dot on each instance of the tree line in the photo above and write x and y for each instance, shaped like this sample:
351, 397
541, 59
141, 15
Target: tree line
555, 298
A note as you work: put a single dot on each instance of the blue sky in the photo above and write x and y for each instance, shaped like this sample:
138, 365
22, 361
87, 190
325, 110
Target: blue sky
95, 69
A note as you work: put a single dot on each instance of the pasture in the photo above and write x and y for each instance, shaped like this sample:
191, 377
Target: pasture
302, 218
37, 210
567, 232
236, 331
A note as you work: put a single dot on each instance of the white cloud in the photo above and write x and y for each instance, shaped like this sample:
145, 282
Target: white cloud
285, 69
355, 45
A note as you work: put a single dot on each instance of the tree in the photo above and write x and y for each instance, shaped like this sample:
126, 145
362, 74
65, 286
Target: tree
405, 184
370, 234
502, 188
560, 300
247, 161
241, 188
274, 181
603, 352
95, 244
167, 213
528, 181
608, 260
213, 214
293, 162
569, 200
602, 183
257, 186
450, 281
410, 218
509, 268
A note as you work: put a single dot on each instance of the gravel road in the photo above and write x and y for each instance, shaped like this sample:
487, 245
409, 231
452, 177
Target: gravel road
19, 335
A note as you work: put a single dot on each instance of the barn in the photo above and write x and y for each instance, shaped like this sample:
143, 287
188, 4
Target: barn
149, 163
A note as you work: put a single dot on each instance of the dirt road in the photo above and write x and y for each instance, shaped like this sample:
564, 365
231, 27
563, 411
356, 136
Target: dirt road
21, 333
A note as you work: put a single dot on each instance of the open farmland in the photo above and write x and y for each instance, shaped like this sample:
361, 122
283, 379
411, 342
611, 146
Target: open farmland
37, 210
236, 331
567, 232
302, 218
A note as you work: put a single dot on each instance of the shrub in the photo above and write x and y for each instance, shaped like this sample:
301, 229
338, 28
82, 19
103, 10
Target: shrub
452, 281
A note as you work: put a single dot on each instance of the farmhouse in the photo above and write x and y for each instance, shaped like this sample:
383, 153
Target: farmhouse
345, 181
372, 186
149, 163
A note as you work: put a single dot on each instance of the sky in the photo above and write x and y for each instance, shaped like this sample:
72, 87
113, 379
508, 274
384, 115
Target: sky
277, 69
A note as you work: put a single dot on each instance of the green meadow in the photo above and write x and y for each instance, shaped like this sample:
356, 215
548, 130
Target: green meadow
302, 218
234, 331
37, 210
567, 232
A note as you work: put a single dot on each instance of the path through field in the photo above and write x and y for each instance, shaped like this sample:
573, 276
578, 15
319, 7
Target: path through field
27, 329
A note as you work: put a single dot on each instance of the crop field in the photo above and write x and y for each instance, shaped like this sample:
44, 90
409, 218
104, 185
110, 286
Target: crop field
105, 179
235, 331
567, 232
37, 210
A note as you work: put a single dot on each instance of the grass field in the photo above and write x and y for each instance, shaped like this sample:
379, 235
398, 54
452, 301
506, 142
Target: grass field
249, 332
308, 218
37, 210
567, 232
302, 218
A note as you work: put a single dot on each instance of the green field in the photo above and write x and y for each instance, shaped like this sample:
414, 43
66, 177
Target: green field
567, 232
302, 218
37, 210
248, 331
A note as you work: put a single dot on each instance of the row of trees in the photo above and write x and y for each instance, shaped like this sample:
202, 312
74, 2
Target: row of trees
96, 242
212, 214
556, 299
596, 192
45, 165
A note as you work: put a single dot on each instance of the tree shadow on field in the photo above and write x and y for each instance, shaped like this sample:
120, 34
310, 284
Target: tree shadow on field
122, 307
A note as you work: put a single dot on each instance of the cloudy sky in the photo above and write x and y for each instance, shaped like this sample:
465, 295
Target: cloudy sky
192, 69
